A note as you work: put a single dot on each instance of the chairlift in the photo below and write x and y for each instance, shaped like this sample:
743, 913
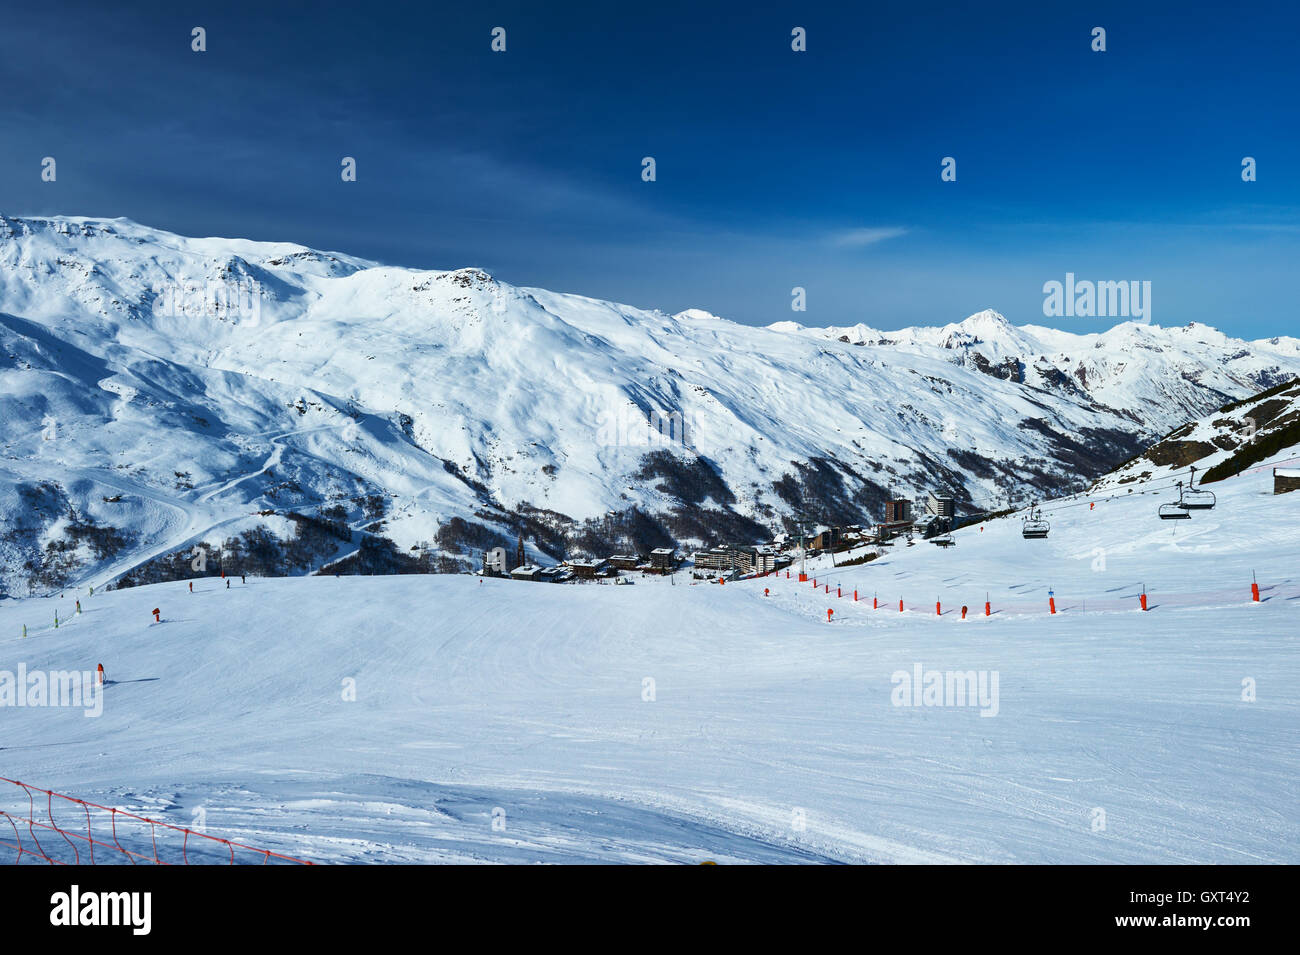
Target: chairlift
1196, 498
1175, 510
1034, 527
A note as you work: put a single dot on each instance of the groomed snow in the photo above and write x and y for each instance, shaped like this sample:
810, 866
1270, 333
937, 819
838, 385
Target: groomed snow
528, 698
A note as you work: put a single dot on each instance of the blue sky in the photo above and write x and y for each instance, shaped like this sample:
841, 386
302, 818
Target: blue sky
775, 169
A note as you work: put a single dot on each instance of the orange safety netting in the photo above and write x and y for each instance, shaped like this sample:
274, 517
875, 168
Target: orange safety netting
35, 835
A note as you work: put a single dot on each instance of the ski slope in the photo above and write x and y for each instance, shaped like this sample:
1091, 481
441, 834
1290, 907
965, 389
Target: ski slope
772, 735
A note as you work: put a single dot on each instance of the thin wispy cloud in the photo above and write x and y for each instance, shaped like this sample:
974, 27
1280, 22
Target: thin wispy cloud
859, 238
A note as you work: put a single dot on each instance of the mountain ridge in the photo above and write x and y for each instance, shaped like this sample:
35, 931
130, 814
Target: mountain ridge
210, 380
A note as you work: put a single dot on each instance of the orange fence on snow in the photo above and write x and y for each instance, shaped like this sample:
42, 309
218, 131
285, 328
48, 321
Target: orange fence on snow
1137, 600
109, 836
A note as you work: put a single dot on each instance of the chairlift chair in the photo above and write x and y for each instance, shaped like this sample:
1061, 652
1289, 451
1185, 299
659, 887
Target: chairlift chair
1034, 527
1175, 510
1195, 498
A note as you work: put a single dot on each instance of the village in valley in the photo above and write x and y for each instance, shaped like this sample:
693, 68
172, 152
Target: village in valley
855, 543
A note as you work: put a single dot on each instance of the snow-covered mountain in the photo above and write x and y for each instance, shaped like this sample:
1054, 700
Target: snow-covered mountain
157, 391
1224, 443
1153, 371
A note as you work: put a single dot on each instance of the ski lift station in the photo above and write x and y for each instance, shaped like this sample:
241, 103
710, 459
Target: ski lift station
1286, 479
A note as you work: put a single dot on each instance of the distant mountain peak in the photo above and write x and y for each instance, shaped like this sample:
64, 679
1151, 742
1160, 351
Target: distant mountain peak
987, 318
698, 315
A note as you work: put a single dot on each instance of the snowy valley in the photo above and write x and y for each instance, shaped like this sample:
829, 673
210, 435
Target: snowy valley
440, 718
309, 410
1124, 689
